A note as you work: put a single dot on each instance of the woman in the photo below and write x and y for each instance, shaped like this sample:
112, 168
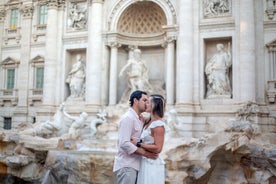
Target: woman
152, 139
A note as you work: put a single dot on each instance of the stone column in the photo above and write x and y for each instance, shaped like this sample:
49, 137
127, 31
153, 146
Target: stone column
184, 65
23, 74
51, 54
2, 18
247, 51
113, 75
59, 66
170, 52
94, 53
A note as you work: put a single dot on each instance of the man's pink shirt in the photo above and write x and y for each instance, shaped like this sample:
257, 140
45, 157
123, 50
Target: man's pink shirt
129, 126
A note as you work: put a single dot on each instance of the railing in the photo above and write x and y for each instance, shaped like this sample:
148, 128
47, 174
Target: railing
37, 91
41, 27
8, 95
35, 95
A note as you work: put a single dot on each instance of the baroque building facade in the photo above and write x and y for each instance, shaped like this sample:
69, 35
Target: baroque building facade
208, 57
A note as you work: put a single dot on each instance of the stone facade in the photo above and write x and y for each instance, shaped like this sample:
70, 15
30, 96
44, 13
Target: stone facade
177, 39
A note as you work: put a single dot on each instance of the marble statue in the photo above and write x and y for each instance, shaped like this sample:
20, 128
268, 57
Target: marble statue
77, 17
76, 78
49, 128
175, 123
78, 122
101, 118
137, 72
217, 72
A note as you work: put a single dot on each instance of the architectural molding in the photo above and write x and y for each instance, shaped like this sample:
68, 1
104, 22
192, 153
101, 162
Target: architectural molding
2, 14
10, 62
139, 40
27, 11
53, 4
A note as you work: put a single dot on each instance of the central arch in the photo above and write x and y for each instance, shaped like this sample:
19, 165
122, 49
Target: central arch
150, 26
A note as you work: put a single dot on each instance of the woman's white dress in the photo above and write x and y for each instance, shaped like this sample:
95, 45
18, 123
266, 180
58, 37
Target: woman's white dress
151, 171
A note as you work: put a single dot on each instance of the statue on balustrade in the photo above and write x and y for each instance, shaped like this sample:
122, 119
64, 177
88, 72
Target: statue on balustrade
217, 73
76, 79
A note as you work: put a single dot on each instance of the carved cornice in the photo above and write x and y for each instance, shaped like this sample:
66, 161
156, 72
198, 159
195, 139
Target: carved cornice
170, 39
270, 13
114, 44
27, 11
139, 40
52, 4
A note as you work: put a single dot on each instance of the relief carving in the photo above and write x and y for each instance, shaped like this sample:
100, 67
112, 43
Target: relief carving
217, 8
77, 16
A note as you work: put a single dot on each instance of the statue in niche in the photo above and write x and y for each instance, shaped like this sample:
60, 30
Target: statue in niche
77, 16
217, 72
215, 7
76, 78
137, 72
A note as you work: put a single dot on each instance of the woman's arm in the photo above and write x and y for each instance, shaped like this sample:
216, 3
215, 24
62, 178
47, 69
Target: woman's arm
158, 134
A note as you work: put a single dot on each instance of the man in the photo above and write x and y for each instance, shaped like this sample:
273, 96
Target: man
127, 160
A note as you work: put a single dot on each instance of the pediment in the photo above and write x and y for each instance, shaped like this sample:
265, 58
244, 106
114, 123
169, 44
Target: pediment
38, 59
10, 61
272, 43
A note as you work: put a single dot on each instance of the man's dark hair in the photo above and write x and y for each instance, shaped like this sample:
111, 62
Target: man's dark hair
136, 94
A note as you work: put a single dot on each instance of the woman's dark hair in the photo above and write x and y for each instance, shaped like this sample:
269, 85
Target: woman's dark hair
136, 94
158, 105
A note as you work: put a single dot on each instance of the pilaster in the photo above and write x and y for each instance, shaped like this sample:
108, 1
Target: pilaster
94, 56
2, 18
185, 61
51, 54
113, 73
23, 74
247, 51
170, 72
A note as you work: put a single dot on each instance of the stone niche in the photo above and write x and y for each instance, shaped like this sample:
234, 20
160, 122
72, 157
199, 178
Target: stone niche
154, 59
217, 68
71, 58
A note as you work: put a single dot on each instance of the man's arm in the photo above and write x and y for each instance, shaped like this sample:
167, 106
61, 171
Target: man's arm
125, 129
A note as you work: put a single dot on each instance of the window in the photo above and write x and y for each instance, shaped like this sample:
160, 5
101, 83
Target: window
14, 19
42, 15
39, 77
10, 78
7, 123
